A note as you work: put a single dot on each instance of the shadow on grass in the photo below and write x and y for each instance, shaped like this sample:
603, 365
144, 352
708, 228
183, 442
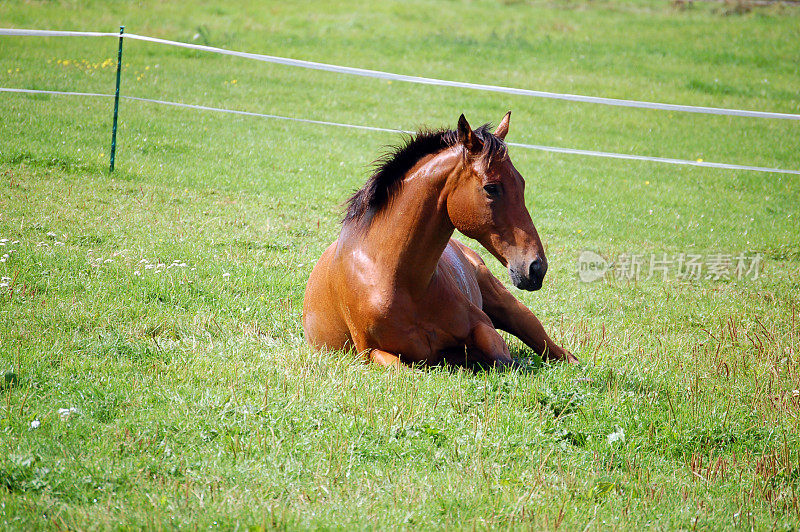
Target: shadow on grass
525, 361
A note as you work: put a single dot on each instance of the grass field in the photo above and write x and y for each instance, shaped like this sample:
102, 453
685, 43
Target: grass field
154, 369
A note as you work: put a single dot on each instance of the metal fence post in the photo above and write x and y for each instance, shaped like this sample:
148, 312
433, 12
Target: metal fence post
116, 101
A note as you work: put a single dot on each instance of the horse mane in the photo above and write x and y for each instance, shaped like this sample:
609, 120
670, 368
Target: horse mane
390, 169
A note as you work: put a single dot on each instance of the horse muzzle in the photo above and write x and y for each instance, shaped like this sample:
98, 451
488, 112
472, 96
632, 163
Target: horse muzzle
528, 275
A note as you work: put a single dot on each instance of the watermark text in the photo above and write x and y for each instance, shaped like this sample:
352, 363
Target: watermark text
682, 266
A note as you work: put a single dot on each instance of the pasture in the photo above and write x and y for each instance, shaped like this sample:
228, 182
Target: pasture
154, 369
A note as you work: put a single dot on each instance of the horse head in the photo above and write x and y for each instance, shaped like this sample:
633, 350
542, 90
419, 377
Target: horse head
487, 203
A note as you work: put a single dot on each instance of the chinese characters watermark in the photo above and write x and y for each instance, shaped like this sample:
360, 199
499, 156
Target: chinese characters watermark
682, 266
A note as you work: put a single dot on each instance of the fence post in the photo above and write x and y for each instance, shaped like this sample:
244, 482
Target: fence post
116, 101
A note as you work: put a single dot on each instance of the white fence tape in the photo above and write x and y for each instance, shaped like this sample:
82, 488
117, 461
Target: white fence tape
57, 93
666, 160
416, 79
21, 32
553, 149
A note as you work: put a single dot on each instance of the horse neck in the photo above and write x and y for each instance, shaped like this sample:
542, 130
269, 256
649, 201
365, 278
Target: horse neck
408, 237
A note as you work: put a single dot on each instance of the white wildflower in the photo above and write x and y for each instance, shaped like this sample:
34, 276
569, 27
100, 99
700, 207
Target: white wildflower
65, 413
617, 436
226, 274
35, 424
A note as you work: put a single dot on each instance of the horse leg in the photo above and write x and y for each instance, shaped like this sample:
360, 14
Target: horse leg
385, 359
509, 314
486, 345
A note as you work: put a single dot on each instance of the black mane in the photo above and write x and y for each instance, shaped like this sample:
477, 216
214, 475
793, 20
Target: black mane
390, 168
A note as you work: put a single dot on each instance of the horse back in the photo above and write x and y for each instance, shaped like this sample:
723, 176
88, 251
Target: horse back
322, 322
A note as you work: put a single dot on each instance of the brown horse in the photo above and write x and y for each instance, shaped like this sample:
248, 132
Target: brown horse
395, 286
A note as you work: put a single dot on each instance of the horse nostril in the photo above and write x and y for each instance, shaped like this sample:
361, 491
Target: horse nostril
538, 268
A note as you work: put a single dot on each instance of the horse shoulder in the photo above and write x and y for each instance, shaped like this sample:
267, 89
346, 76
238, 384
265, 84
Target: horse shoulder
469, 254
457, 272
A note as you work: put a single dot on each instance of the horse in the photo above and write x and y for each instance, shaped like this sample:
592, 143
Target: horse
399, 290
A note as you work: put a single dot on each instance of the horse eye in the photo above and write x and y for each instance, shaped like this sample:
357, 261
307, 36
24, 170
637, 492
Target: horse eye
493, 190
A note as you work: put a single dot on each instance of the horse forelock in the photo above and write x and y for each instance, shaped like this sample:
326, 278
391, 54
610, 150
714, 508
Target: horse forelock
492, 146
390, 169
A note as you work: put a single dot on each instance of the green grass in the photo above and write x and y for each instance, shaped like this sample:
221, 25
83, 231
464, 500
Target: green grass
197, 403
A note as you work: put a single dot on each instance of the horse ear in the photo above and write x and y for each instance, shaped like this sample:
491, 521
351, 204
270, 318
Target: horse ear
466, 136
502, 129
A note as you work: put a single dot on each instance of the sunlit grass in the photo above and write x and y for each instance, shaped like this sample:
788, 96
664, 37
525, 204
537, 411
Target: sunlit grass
154, 372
